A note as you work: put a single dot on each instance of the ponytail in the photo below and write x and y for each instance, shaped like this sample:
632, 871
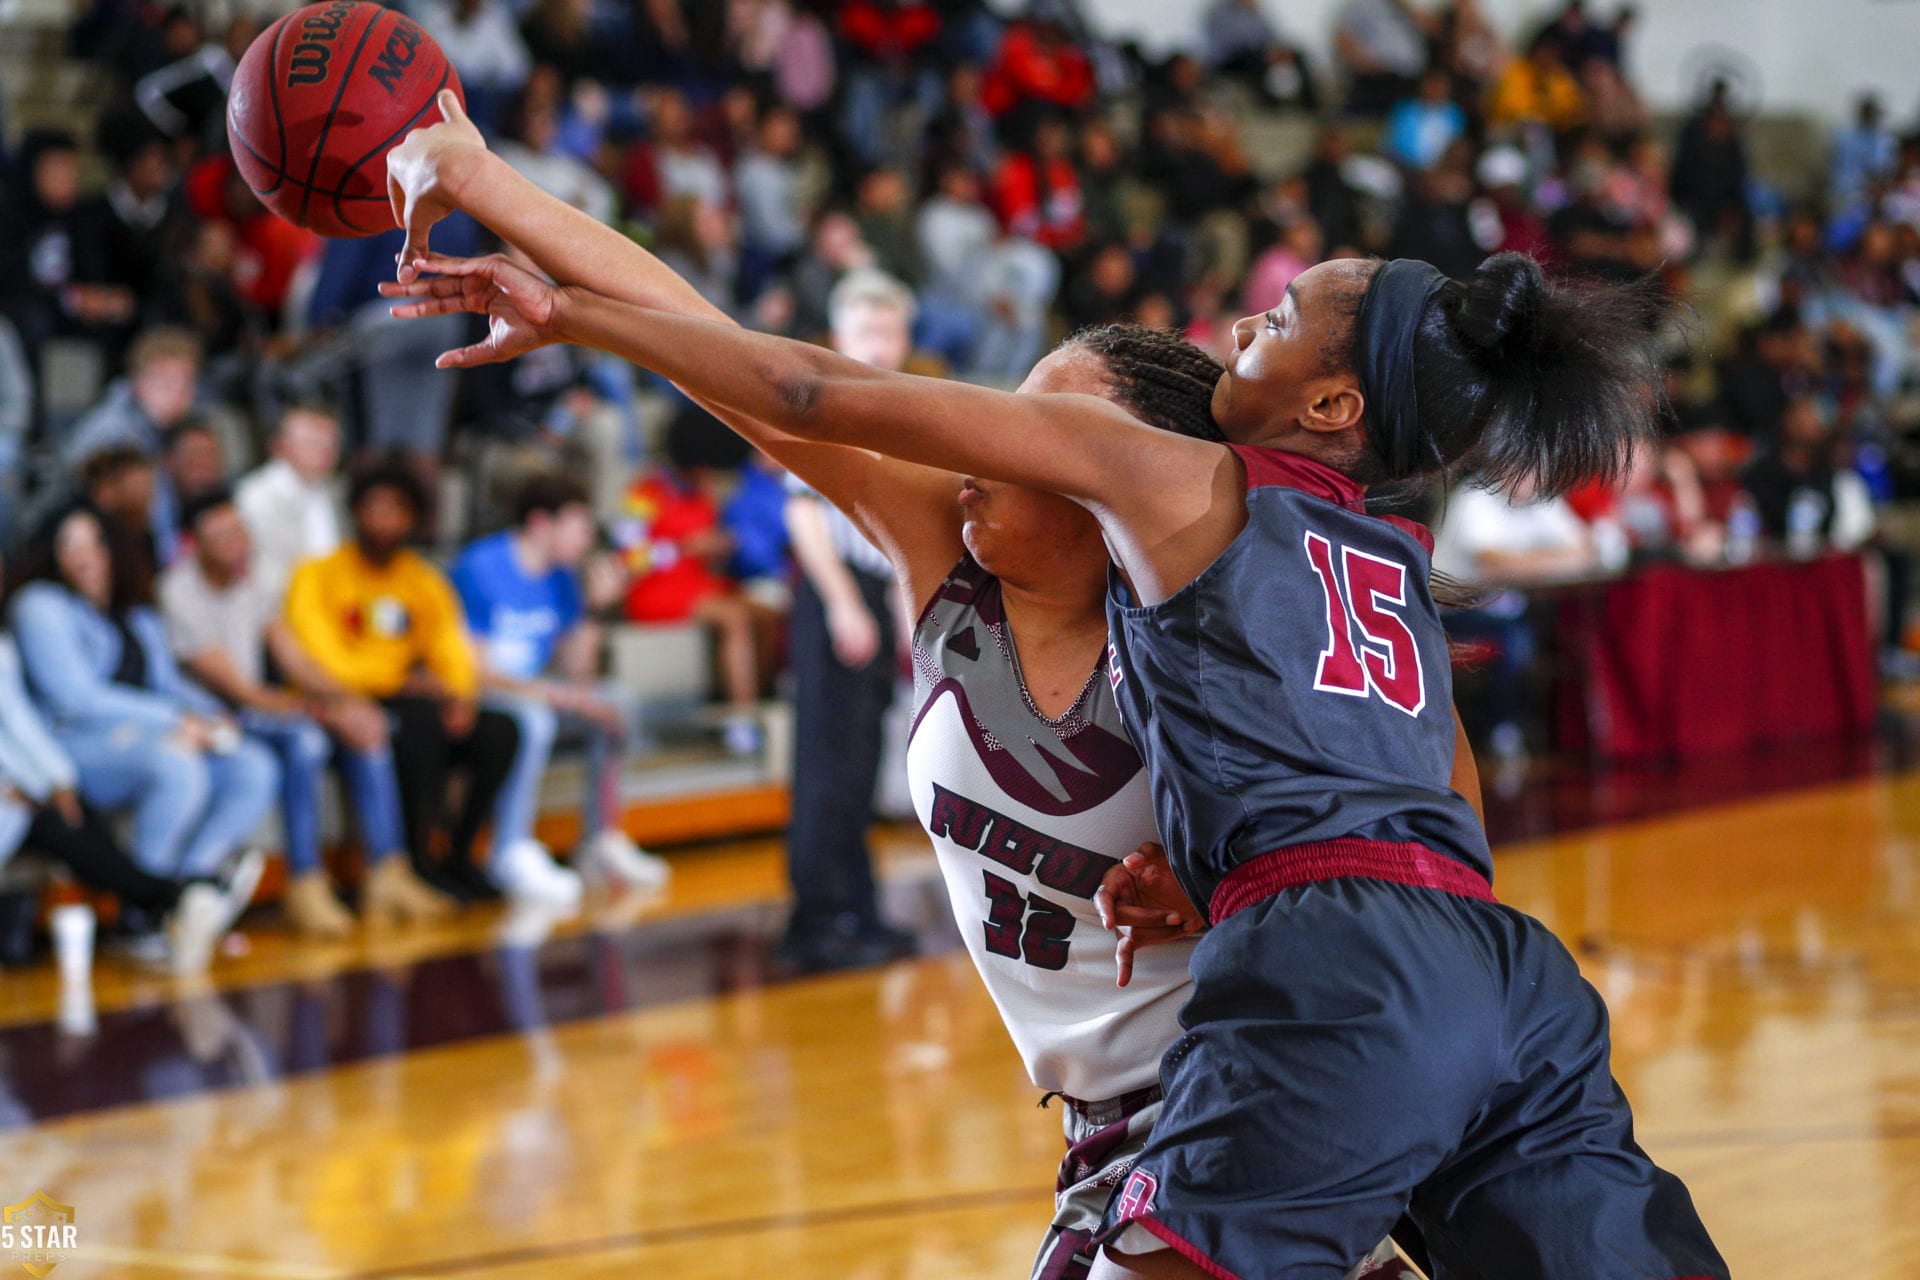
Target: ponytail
1537, 384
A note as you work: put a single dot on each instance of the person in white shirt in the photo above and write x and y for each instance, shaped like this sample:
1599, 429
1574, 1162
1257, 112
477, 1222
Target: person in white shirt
481, 41
1488, 538
289, 503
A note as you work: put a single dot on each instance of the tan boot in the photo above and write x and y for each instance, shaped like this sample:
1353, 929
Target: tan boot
314, 910
394, 894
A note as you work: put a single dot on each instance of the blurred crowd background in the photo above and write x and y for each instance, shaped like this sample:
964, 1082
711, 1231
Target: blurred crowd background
187, 382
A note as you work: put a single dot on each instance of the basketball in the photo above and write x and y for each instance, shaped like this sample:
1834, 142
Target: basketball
317, 102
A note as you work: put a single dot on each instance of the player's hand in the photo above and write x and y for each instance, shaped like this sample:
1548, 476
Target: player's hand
424, 171
856, 635
519, 306
1140, 900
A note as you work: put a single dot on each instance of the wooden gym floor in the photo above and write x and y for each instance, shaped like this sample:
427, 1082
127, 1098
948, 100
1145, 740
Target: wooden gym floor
635, 1097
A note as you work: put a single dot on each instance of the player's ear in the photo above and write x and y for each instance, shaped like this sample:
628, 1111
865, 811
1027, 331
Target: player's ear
1333, 405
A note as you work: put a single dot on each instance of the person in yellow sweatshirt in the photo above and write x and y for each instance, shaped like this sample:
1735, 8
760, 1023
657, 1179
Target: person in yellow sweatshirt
382, 621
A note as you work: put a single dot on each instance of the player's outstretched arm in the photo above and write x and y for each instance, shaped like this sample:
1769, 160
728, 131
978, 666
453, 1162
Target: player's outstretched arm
907, 511
1159, 495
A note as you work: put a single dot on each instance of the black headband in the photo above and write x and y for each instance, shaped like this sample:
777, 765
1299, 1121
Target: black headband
1390, 313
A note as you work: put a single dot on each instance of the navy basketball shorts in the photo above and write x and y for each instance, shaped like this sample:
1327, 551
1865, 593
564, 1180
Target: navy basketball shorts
1357, 1048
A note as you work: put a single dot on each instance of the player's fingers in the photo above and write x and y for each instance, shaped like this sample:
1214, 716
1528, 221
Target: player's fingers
425, 287
466, 357
1123, 961
1104, 905
1152, 917
429, 307
450, 108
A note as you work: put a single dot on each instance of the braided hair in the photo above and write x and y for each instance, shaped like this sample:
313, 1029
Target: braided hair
1158, 376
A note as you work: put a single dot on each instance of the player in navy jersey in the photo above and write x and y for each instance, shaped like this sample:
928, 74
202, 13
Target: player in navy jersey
1369, 1031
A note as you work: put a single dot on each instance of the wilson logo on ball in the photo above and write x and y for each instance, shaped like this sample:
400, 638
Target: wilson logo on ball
315, 49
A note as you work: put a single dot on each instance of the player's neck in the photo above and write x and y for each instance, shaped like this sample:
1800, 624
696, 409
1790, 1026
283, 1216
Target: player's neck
1056, 612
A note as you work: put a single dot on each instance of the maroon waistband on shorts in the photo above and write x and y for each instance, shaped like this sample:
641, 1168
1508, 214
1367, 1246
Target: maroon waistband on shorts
1260, 878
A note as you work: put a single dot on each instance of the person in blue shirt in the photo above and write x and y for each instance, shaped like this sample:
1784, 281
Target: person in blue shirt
756, 518
521, 592
1420, 129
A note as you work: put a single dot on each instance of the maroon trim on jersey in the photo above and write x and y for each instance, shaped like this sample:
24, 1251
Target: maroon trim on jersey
1107, 762
1297, 471
1270, 873
965, 583
1179, 1244
1280, 469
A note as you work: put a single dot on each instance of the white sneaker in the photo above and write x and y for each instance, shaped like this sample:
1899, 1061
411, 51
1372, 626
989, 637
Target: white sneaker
526, 872
238, 880
195, 928
611, 858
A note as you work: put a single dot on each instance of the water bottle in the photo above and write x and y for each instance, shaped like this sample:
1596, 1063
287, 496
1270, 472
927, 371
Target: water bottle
1806, 513
1743, 530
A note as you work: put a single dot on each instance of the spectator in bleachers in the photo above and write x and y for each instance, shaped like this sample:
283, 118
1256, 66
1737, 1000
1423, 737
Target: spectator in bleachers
674, 162
530, 143
766, 182
1436, 218
1507, 542
1772, 362
1242, 41
1039, 66
1382, 46
139, 411
777, 38
834, 249
755, 518
194, 460
1503, 176
843, 643
883, 206
16, 420
384, 624
142, 735
483, 44
1421, 128
225, 622
41, 810
186, 98
1805, 497
1296, 246
1471, 50
290, 502
403, 403
119, 482
120, 236
1016, 285
539, 658
697, 239
1036, 190
675, 550
895, 43
1539, 89
955, 233
1710, 174
561, 34
39, 227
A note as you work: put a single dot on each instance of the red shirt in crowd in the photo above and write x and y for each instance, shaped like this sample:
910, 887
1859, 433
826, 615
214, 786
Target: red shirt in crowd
891, 33
270, 249
666, 520
1040, 199
1035, 67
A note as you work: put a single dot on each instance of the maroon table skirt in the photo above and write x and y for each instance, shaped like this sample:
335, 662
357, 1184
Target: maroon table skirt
1672, 661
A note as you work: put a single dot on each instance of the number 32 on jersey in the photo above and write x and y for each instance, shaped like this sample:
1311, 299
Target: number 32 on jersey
1363, 593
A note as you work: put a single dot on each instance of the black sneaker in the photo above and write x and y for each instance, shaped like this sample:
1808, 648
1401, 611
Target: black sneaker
895, 944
